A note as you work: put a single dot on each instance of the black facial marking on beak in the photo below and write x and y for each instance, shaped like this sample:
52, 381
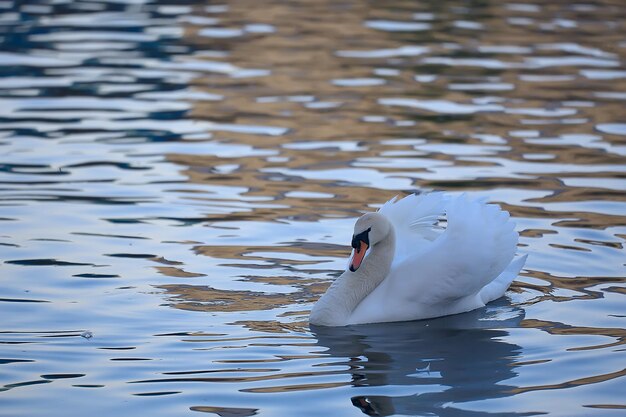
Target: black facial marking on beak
361, 237
360, 243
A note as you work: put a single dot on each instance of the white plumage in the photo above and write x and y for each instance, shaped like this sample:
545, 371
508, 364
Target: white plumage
416, 269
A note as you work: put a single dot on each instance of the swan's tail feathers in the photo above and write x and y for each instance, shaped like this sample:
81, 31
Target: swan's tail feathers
496, 288
480, 242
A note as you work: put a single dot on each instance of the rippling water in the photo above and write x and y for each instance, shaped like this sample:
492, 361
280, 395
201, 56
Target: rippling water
179, 181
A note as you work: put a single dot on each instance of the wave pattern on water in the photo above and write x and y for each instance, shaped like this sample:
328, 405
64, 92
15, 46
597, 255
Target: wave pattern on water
179, 181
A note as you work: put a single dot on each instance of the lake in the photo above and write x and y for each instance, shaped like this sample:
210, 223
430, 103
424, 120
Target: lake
179, 183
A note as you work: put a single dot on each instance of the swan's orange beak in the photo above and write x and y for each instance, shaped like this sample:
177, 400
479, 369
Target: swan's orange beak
357, 256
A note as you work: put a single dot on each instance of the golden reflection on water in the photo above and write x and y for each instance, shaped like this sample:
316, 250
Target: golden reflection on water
502, 104
454, 132
349, 110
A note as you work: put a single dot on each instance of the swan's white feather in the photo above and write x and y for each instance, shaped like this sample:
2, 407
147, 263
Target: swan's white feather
440, 273
414, 218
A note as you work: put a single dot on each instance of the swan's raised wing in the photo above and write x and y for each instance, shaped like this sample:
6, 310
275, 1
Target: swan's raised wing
413, 219
477, 245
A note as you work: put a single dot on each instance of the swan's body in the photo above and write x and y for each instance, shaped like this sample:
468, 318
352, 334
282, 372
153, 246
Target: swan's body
405, 268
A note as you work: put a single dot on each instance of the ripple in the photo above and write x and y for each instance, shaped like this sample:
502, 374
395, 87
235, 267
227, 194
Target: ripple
104, 19
73, 36
466, 24
14, 107
187, 95
471, 62
568, 61
44, 262
575, 48
546, 78
482, 87
222, 32
440, 106
182, 180
6, 361
21, 300
603, 74
9, 58
407, 50
397, 26
225, 411
62, 376
542, 112
612, 128
358, 82
96, 276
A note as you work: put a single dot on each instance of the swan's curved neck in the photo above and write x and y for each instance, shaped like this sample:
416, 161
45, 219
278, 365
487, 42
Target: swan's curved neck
350, 288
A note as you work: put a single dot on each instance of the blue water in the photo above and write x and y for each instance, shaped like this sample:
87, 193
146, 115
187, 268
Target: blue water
179, 182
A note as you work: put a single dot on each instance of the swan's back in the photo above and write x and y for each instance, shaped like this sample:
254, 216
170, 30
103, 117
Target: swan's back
440, 272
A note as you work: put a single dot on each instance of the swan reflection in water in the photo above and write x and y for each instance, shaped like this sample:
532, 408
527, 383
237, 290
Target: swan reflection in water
448, 360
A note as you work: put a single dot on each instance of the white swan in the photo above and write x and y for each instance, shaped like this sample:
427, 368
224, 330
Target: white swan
403, 267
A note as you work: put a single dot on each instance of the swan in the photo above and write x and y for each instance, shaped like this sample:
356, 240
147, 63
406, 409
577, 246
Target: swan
404, 266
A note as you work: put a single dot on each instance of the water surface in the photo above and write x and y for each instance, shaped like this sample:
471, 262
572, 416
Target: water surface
179, 182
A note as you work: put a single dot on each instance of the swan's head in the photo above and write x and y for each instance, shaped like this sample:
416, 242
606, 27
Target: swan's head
369, 229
